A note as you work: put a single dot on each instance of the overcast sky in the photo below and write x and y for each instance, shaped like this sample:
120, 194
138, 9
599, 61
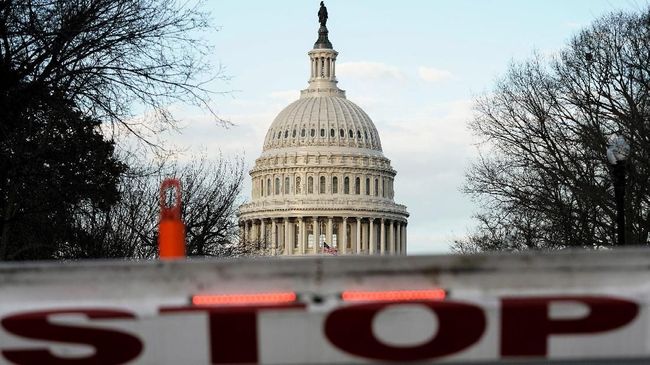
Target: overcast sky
413, 66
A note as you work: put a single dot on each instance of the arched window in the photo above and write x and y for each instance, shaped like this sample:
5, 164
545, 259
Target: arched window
322, 132
310, 185
358, 134
383, 188
341, 133
332, 133
298, 186
346, 185
268, 187
357, 186
262, 186
286, 185
376, 187
335, 185
366, 134
279, 134
367, 186
302, 132
322, 185
277, 186
286, 134
293, 134
313, 132
350, 133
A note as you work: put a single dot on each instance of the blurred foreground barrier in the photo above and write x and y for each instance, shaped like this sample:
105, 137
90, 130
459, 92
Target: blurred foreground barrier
557, 308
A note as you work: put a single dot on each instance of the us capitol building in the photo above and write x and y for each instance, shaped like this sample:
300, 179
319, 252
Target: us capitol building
322, 183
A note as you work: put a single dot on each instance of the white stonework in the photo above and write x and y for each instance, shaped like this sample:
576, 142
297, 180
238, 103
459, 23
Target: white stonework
322, 173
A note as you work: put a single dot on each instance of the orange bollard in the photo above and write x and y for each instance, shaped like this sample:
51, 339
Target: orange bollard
171, 230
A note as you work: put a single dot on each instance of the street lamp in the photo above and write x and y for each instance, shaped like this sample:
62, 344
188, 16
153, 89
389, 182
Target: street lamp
617, 152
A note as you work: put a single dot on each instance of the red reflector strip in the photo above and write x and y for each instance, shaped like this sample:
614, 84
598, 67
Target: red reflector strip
395, 295
243, 299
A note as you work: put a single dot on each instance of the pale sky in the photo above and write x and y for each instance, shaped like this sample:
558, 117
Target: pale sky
414, 66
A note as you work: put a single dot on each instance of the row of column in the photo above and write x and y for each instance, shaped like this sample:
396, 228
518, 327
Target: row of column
307, 235
323, 67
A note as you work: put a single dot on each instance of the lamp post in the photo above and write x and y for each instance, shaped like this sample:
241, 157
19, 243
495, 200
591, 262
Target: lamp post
617, 152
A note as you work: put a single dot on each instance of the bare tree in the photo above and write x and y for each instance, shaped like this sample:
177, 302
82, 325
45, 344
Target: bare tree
129, 229
69, 71
543, 177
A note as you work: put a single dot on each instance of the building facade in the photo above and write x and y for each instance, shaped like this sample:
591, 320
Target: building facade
322, 183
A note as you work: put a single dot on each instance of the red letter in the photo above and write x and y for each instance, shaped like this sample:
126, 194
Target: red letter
526, 326
459, 326
233, 331
111, 347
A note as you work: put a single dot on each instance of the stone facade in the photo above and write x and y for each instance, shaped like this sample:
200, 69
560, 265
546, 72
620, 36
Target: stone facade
322, 179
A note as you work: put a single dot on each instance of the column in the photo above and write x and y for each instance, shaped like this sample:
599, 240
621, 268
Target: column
301, 236
391, 238
358, 235
262, 234
274, 236
404, 239
327, 68
333, 73
312, 68
371, 237
382, 239
344, 236
316, 230
244, 237
287, 242
330, 228
398, 239
318, 67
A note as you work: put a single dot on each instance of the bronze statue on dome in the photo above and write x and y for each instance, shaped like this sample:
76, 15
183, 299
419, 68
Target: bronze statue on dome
322, 14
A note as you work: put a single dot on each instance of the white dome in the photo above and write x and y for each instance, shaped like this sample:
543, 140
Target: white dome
322, 181
322, 121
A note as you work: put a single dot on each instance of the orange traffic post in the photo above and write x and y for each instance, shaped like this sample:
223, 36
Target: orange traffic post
171, 230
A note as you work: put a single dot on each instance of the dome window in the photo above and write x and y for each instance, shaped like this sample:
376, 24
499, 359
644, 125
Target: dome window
322, 132
268, 187
341, 133
367, 186
321, 190
332, 133
286, 184
310, 184
302, 133
277, 186
357, 186
313, 132
286, 134
298, 190
376, 187
346, 185
293, 134
350, 133
359, 134
366, 134
279, 134
335, 185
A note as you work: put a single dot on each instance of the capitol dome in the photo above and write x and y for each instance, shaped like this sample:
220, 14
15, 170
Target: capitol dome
322, 184
322, 121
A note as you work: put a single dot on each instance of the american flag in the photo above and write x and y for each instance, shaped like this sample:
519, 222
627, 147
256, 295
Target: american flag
330, 250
